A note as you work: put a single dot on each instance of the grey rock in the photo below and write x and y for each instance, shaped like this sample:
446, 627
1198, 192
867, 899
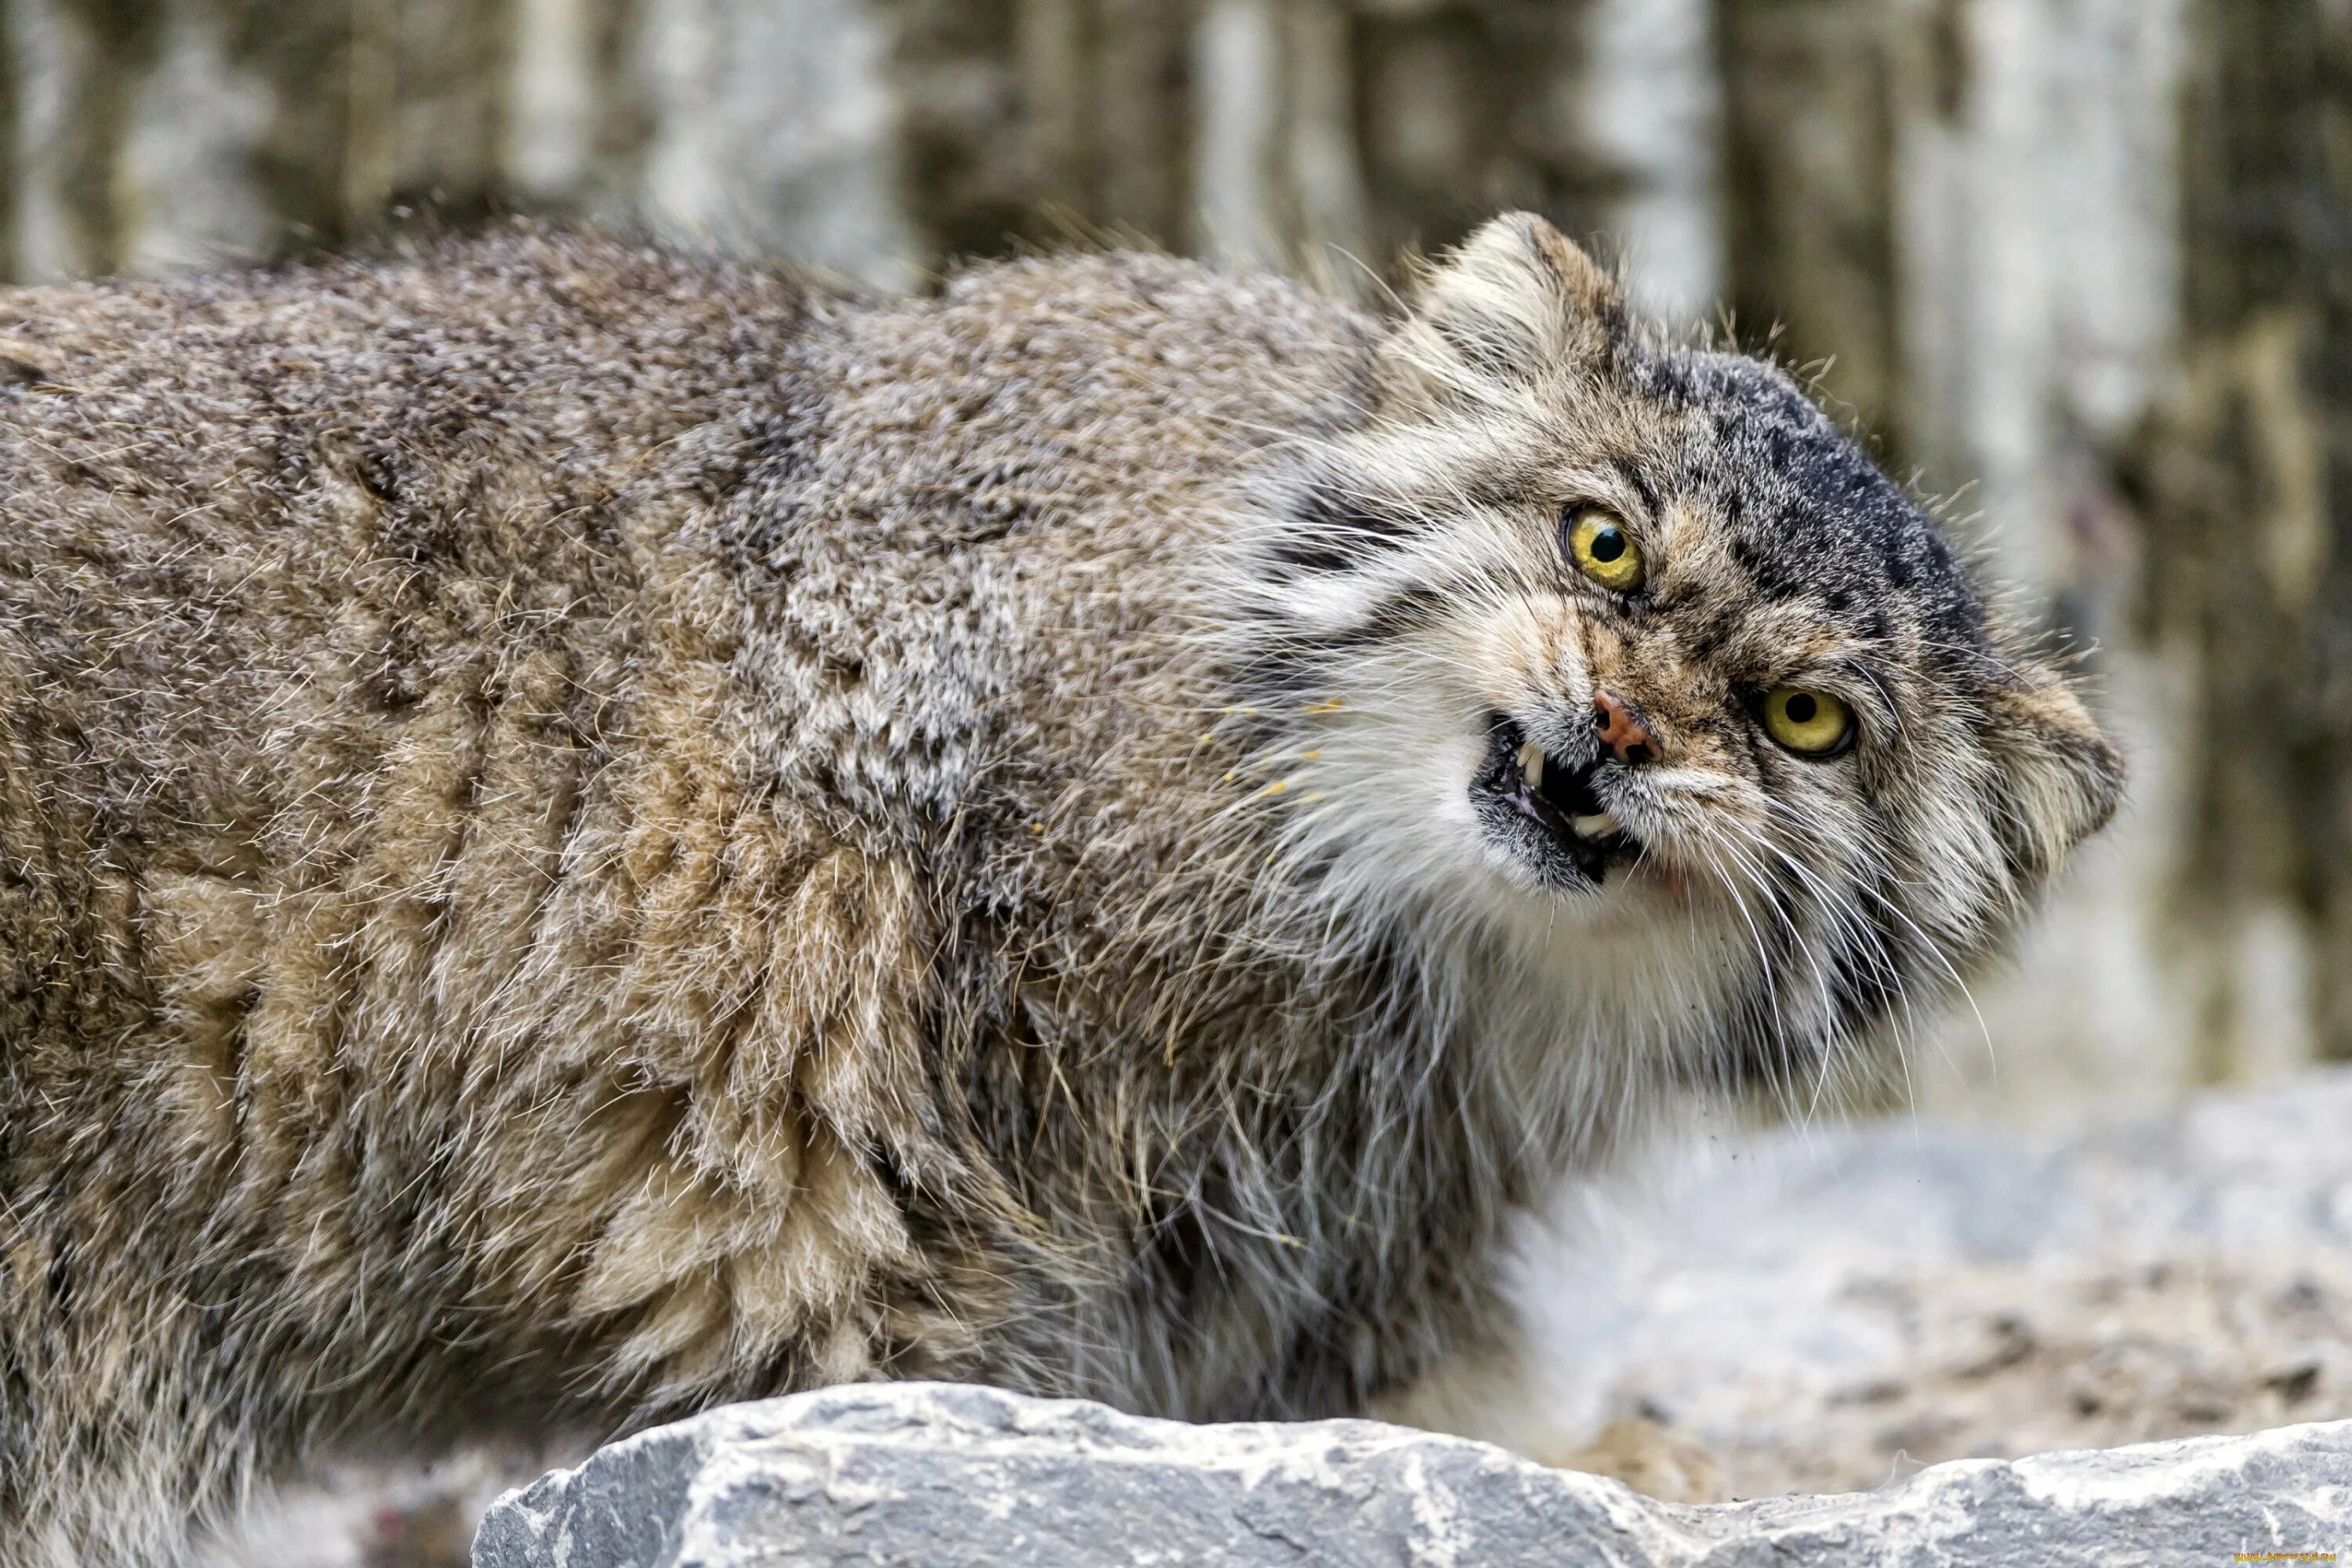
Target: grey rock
943, 1476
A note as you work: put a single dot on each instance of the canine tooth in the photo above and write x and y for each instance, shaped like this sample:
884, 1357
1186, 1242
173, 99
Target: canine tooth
1531, 759
1599, 827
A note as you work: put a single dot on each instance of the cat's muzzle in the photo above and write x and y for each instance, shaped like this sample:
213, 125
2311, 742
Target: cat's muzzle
1546, 812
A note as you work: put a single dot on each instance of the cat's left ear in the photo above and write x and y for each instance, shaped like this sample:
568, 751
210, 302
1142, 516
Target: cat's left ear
1516, 306
2062, 778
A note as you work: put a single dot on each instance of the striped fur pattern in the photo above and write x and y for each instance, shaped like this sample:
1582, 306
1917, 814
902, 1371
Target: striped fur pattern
585, 832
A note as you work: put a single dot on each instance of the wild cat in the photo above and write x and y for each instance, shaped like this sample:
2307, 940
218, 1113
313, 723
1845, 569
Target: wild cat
585, 832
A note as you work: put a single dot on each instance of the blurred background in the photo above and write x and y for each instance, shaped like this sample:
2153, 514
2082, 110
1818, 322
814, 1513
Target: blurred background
2077, 265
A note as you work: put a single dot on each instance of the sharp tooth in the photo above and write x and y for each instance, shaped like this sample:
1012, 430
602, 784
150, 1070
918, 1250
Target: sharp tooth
1600, 827
1531, 764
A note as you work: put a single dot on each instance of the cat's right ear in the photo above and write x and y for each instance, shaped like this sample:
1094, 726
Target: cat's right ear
1516, 307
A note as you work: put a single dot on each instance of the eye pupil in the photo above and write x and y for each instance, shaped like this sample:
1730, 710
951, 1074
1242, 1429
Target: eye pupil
1607, 545
1801, 708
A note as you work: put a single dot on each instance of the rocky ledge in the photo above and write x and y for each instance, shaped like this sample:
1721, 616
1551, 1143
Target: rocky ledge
942, 1475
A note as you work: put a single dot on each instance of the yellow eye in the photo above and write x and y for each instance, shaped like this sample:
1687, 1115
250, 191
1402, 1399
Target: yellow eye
1810, 724
1602, 550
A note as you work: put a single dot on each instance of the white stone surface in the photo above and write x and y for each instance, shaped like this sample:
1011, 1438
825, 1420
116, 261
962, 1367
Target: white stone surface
943, 1476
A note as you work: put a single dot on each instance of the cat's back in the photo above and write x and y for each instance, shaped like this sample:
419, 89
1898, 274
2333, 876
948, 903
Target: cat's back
281, 549
239, 454
520, 327
356, 459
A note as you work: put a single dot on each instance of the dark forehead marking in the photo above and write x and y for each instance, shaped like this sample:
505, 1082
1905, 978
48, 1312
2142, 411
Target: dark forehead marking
1809, 515
1631, 470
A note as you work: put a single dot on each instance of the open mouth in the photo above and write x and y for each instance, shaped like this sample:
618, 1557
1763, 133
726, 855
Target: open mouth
1548, 810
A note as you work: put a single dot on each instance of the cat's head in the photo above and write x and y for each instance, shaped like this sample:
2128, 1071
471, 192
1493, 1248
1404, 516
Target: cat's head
1627, 652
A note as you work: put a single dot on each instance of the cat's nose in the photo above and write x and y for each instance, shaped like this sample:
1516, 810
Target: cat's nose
1621, 732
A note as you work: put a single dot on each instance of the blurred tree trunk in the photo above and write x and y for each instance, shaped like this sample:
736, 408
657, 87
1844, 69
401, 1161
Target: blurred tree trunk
2325, 225
1326, 136
1810, 136
871, 137
149, 133
2250, 548
84, 62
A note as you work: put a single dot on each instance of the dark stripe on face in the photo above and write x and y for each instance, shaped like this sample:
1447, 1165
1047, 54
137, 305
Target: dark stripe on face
1761, 1051
1855, 968
1300, 664
1395, 614
1329, 532
1631, 472
1865, 972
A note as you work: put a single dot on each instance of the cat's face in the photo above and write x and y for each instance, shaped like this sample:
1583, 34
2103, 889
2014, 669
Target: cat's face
1631, 654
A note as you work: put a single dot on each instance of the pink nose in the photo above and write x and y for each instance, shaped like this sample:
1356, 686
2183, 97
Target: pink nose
1620, 731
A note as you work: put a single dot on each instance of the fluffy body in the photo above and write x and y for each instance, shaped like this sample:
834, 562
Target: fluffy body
584, 832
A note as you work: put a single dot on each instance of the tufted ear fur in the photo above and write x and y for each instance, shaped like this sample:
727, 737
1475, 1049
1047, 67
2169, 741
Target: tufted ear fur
1516, 306
2061, 779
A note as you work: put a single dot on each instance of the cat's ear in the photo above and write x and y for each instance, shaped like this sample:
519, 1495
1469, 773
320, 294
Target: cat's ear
2062, 778
1516, 306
